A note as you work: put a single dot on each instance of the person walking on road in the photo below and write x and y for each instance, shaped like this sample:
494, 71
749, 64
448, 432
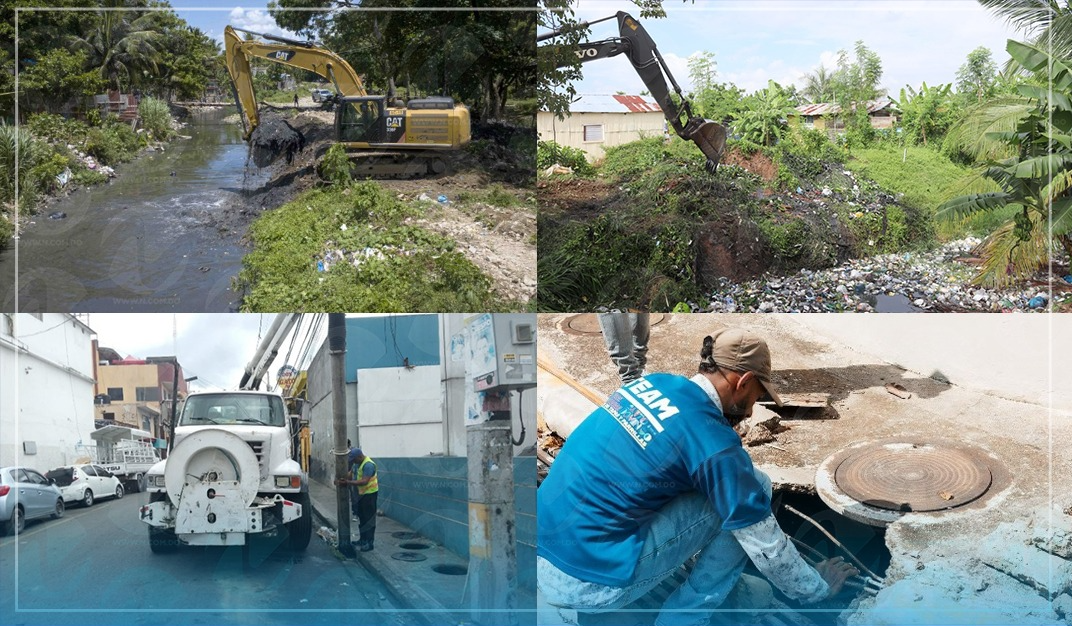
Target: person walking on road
364, 486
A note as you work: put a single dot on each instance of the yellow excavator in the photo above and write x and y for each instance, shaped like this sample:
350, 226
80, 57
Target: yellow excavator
382, 137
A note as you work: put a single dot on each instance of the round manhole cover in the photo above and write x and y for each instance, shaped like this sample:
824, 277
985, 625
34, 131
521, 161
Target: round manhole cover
588, 323
914, 477
408, 556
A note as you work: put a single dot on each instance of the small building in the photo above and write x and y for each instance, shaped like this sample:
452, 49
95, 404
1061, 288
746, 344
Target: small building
135, 392
827, 115
597, 122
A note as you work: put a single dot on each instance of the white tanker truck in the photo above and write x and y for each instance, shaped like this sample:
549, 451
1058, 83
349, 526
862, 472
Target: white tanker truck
231, 473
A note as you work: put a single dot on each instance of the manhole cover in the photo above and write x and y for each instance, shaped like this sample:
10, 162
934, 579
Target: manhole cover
913, 477
408, 556
404, 534
588, 323
413, 545
450, 570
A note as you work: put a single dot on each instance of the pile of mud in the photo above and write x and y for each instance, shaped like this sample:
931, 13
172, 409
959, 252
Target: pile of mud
274, 138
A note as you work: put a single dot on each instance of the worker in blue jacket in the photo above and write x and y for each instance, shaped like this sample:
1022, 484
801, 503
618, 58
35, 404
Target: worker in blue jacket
657, 475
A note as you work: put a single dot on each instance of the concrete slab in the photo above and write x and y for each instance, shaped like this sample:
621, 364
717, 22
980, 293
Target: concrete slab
432, 597
1021, 426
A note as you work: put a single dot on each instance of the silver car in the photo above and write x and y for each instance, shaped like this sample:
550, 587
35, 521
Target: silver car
26, 495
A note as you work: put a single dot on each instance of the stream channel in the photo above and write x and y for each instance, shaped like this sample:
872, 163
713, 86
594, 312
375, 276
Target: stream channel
147, 240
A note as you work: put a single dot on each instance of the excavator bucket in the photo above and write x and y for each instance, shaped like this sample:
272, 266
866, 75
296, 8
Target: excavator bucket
710, 137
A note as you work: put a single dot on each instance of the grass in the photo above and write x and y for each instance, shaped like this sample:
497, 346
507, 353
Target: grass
386, 265
927, 179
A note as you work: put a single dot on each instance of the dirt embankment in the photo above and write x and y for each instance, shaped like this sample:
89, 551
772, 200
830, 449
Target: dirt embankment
489, 206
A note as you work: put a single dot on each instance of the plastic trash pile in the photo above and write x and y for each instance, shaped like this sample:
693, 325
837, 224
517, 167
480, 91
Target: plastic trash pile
904, 282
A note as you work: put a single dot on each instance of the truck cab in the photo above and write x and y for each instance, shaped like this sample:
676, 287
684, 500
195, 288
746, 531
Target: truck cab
231, 472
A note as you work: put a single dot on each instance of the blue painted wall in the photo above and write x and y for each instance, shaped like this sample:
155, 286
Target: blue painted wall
373, 342
431, 496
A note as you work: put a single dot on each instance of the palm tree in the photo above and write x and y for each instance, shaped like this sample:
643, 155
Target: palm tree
764, 119
819, 86
1036, 175
1045, 22
120, 43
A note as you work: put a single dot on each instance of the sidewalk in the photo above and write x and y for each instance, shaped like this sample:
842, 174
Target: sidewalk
409, 571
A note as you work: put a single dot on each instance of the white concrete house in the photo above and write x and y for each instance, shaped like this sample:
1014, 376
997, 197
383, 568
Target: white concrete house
46, 389
597, 122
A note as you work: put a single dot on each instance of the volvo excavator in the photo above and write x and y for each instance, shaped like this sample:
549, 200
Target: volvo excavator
382, 137
635, 42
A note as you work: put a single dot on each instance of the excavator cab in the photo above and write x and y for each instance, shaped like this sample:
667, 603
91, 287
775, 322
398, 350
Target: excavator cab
364, 119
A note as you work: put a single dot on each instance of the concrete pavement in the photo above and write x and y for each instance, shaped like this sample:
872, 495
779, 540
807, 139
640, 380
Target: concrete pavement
431, 580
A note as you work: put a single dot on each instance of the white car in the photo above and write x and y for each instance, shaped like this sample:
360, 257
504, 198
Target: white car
86, 483
321, 95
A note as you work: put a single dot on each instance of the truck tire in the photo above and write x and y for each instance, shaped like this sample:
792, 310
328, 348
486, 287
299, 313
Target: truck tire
162, 540
301, 529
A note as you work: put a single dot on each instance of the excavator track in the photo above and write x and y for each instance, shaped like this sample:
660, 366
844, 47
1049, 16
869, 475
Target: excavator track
392, 164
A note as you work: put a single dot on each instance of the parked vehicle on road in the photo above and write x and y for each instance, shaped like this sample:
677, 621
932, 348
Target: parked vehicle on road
321, 95
26, 495
231, 473
86, 483
127, 453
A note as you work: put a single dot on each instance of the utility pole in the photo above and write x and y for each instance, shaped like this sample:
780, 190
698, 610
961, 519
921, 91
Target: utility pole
492, 539
337, 350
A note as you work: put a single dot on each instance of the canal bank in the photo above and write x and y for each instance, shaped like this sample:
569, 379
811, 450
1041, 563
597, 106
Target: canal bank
166, 234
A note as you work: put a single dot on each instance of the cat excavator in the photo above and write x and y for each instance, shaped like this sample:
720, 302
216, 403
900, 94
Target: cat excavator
382, 136
635, 42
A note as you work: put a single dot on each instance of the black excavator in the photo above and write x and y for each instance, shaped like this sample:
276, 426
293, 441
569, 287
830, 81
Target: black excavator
640, 48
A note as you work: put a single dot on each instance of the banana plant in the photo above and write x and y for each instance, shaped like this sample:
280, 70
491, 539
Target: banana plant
1036, 181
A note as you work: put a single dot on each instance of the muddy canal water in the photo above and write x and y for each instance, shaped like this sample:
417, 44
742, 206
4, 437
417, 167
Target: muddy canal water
147, 240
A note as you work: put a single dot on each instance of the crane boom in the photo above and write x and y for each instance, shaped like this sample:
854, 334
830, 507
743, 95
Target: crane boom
267, 350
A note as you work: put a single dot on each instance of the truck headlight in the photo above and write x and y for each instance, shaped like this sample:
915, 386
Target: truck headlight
288, 481
158, 481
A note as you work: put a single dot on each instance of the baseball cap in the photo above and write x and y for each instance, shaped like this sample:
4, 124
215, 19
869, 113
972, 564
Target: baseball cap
354, 453
744, 351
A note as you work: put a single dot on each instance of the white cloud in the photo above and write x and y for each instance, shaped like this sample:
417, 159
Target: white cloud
256, 20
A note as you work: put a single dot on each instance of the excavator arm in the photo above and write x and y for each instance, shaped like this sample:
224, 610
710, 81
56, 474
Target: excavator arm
635, 42
302, 55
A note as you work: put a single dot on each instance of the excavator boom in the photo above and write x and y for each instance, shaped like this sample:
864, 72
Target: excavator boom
296, 54
635, 42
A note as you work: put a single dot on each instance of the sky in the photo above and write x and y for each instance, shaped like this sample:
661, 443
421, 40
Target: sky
758, 40
215, 347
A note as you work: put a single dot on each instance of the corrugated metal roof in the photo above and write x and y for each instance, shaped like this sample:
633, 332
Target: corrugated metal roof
618, 103
829, 108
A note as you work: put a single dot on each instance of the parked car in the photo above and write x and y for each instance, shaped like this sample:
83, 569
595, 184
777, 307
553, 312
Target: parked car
86, 483
26, 495
321, 95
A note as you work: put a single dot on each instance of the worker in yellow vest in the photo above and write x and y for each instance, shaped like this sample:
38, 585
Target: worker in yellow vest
363, 489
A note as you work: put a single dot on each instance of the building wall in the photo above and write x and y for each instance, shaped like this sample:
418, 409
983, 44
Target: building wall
431, 496
129, 378
618, 128
46, 389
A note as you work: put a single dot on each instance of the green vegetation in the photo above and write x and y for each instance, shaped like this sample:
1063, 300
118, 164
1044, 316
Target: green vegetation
335, 166
549, 153
371, 259
156, 118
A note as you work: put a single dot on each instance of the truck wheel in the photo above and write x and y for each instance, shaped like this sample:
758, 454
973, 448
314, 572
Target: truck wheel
301, 529
87, 498
162, 540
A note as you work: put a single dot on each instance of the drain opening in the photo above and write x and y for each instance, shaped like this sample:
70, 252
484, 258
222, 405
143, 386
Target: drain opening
450, 570
866, 542
408, 556
413, 545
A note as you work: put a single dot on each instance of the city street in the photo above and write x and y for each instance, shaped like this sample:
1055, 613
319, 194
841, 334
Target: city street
94, 566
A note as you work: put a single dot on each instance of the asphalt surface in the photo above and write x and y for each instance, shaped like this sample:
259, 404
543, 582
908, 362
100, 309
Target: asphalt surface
94, 566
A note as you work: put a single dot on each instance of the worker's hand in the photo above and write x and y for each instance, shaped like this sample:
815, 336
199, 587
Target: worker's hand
341, 481
835, 572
